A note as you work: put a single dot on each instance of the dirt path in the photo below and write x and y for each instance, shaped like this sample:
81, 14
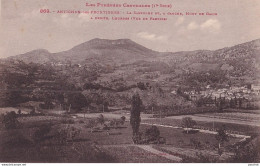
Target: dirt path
159, 153
149, 149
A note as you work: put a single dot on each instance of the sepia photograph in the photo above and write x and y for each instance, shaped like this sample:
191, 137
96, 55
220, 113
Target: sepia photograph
129, 81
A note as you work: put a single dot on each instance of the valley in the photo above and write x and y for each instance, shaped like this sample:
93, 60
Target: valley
79, 101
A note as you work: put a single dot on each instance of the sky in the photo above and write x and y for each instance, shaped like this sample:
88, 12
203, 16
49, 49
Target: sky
24, 28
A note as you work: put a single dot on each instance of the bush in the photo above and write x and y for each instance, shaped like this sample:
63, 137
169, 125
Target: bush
10, 120
81, 121
91, 124
152, 133
67, 134
32, 112
122, 120
195, 143
101, 119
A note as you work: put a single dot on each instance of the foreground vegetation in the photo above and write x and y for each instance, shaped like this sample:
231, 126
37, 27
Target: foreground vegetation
61, 138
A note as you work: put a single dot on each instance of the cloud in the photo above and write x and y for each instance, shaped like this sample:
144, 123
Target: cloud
213, 25
192, 26
179, 21
152, 36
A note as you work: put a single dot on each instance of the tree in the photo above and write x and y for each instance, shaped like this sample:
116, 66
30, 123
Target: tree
135, 118
187, 122
77, 101
221, 137
141, 86
232, 103
122, 119
105, 106
100, 119
240, 103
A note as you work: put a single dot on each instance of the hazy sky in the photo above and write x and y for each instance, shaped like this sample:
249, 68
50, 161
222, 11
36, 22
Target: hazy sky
23, 28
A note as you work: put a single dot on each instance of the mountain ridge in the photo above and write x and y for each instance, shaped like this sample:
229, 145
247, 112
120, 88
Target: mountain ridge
120, 50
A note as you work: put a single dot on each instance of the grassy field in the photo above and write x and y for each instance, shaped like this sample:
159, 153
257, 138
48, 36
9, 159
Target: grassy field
21, 145
236, 128
233, 115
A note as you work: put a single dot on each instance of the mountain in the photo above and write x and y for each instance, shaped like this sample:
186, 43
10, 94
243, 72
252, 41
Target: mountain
113, 70
115, 51
126, 50
238, 61
36, 56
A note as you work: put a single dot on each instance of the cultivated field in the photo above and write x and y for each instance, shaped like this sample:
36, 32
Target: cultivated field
113, 145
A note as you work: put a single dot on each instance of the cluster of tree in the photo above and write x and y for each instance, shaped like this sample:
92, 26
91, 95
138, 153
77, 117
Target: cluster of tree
34, 82
170, 110
204, 101
181, 93
95, 86
247, 153
143, 86
187, 123
212, 77
105, 124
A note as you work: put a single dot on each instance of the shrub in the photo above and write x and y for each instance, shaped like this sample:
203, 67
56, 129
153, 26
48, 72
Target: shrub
152, 133
81, 121
67, 134
195, 143
10, 120
101, 119
32, 112
122, 120
91, 124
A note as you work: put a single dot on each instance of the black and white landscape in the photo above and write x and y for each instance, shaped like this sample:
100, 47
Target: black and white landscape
118, 101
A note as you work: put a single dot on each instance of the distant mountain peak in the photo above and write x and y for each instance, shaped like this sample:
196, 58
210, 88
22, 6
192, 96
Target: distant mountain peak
98, 43
39, 51
109, 41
